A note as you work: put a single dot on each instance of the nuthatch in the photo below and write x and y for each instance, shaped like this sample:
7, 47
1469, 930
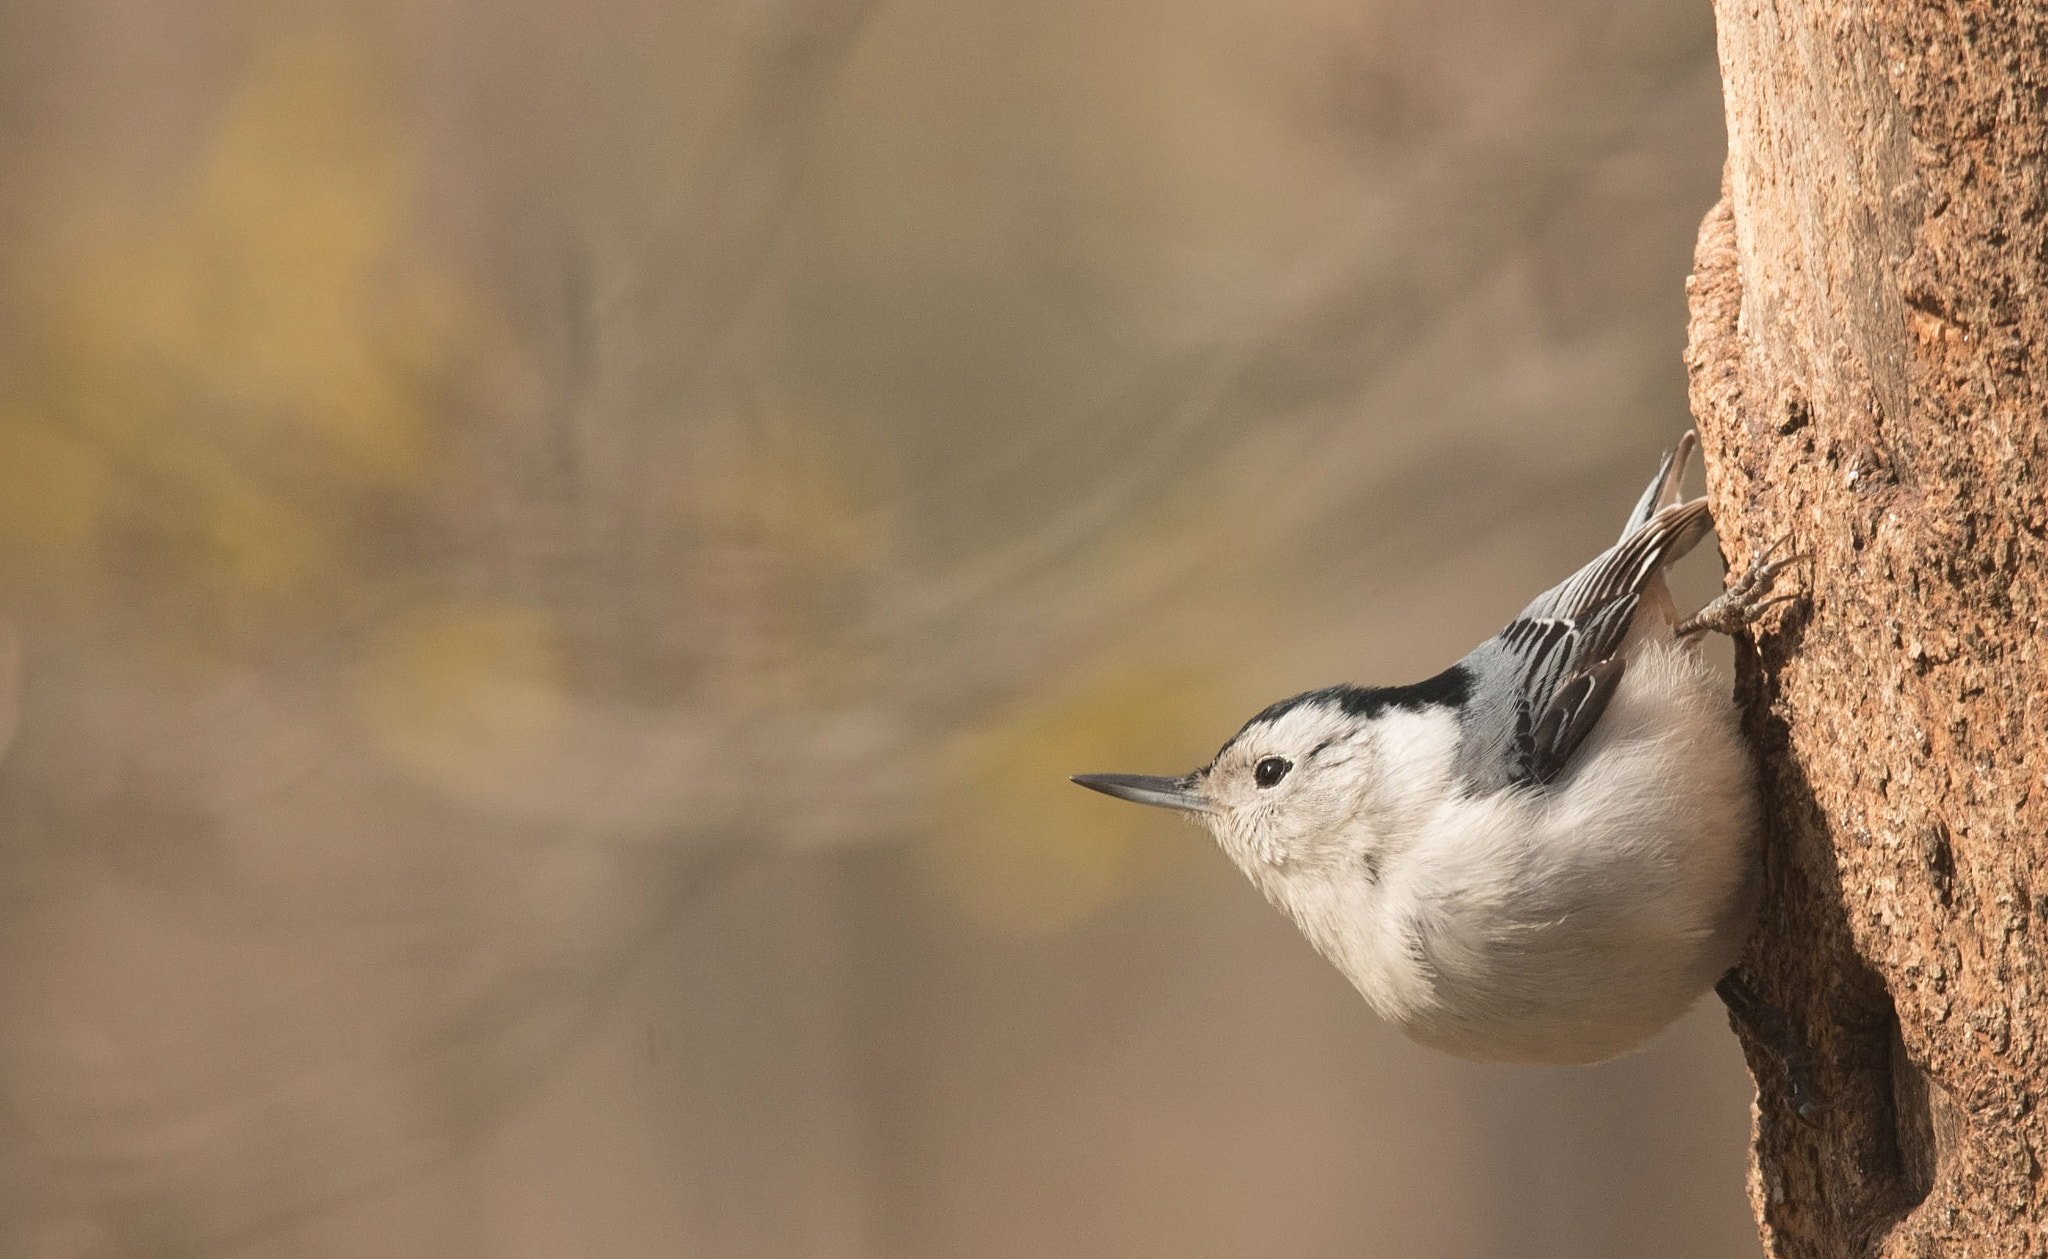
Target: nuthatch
1544, 853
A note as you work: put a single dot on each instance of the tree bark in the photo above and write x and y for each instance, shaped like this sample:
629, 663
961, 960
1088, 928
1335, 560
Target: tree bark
1868, 376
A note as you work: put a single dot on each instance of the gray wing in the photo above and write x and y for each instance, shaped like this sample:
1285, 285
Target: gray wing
1540, 685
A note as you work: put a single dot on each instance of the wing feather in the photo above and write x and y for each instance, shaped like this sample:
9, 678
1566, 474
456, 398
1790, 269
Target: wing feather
1557, 660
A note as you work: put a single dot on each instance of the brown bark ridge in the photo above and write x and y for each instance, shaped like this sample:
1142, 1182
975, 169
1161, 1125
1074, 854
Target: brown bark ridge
1868, 377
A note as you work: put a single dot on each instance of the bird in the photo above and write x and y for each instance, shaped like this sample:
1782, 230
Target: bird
1545, 853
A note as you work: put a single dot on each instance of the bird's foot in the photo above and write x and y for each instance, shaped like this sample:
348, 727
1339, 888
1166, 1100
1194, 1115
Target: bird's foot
1743, 603
1769, 1027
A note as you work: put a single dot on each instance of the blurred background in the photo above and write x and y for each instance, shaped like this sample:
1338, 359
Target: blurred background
561, 556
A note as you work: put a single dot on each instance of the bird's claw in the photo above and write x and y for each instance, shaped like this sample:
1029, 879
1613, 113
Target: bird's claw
1801, 1096
1745, 601
1774, 1031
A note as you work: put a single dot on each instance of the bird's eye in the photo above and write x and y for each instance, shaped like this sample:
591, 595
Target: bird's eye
1271, 770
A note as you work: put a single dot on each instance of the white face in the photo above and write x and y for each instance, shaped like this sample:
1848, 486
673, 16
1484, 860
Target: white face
1292, 790
1308, 787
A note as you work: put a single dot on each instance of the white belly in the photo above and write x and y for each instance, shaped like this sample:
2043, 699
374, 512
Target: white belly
1570, 924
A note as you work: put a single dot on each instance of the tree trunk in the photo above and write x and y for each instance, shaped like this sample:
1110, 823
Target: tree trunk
1868, 374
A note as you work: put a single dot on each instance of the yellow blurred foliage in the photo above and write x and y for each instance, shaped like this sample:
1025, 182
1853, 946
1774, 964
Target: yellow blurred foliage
789, 529
55, 492
794, 490
465, 695
1020, 850
214, 379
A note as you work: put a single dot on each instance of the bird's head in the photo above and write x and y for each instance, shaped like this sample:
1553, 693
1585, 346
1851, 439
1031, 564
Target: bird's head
1283, 792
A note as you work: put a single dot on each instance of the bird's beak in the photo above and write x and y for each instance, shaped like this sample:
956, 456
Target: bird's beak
1167, 793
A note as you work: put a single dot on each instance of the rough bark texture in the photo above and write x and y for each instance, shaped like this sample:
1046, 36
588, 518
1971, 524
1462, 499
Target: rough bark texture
1868, 374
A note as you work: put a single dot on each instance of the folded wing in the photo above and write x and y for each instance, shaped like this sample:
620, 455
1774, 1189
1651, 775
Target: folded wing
1553, 669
